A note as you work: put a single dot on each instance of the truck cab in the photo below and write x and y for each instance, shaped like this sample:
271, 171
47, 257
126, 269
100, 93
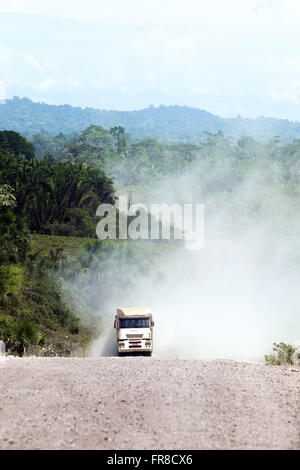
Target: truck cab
134, 330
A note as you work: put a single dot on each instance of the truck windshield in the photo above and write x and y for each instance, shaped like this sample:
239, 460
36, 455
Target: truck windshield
134, 322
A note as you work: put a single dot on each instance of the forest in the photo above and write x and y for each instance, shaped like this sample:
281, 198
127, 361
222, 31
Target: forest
165, 123
50, 188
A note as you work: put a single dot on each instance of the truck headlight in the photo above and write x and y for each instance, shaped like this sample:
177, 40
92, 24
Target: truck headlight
148, 343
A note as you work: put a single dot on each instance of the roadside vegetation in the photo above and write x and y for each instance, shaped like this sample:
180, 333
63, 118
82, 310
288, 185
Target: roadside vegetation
283, 354
47, 238
50, 188
34, 197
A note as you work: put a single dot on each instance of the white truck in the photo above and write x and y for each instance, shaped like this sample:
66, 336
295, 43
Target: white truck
134, 330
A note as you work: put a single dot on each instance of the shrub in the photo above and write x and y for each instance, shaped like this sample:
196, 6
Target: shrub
76, 223
283, 354
19, 333
14, 241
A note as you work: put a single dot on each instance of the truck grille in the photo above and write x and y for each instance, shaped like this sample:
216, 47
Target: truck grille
134, 336
135, 343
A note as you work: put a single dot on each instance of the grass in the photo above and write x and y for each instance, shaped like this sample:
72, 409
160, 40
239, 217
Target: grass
16, 278
45, 243
74, 245
37, 296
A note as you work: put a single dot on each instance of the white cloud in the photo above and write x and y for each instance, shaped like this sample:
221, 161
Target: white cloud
142, 12
289, 92
202, 90
2, 91
46, 84
73, 83
224, 55
170, 44
6, 53
114, 12
42, 68
238, 15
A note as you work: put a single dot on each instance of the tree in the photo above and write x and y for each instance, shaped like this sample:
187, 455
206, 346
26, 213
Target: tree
7, 199
118, 133
14, 143
47, 189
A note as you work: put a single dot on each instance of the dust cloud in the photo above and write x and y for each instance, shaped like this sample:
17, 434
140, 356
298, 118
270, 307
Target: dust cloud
234, 297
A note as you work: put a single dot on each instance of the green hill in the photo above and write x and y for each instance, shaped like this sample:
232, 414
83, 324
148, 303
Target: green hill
173, 123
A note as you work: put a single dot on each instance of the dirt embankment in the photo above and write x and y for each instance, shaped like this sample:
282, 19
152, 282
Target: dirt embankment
147, 403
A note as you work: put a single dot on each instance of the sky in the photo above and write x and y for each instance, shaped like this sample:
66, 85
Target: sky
228, 57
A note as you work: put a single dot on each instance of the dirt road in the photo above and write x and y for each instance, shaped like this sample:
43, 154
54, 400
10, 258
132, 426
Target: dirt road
146, 403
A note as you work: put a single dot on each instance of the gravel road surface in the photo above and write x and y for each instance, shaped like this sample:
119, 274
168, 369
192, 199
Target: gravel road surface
147, 403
